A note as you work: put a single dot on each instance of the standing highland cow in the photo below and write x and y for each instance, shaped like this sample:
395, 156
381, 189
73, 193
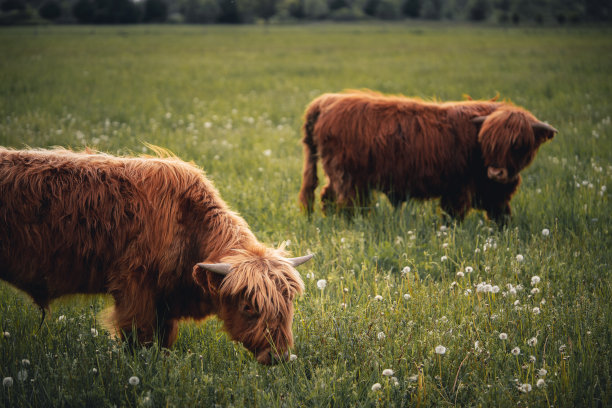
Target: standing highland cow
468, 153
151, 232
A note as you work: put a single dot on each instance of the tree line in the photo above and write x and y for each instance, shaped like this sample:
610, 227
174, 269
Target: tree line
249, 11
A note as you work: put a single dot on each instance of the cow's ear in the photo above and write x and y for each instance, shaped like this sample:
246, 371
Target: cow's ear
209, 281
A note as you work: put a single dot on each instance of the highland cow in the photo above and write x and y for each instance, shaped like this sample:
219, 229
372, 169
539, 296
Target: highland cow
469, 154
151, 232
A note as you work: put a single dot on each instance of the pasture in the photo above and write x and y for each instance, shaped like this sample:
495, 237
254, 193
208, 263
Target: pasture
399, 283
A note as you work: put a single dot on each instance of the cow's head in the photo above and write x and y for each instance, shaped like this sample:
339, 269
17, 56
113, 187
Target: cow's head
253, 296
509, 139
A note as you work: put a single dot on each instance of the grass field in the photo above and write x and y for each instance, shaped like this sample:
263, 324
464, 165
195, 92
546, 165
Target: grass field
231, 99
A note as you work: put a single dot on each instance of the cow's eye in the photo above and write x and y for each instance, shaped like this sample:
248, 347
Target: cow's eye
249, 310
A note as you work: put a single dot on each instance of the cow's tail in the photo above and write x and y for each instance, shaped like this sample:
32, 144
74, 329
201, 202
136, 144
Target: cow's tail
309, 173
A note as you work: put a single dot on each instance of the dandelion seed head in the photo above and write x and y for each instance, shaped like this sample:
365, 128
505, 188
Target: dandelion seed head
503, 336
534, 291
535, 310
535, 280
406, 270
443, 258
440, 350
520, 258
376, 387
541, 383
532, 359
22, 375
378, 297
61, 318
545, 232
387, 372
7, 382
94, 332
516, 351
460, 274
525, 388
321, 283
406, 296
542, 372
25, 362
94, 370
6, 335
134, 381
469, 269
292, 357
495, 289
381, 336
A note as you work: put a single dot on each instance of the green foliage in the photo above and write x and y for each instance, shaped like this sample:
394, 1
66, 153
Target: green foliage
50, 10
231, 99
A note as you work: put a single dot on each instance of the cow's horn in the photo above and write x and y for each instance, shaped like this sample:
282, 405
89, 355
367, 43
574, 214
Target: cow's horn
220, 268
478, 119
544, 126
300, 260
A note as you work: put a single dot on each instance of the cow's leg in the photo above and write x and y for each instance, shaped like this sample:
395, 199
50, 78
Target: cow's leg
134, 315
328, 197
456, 204
396, 199
500, 213
167, 327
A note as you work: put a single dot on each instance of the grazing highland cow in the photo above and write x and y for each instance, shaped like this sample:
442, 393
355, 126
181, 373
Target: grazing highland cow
151, 232
468, 153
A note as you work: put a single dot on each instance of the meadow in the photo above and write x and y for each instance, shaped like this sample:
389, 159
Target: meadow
523, 313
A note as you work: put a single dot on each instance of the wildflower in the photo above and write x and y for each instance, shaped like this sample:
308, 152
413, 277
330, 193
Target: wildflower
535, 280
321, 283
134, 381
292, 357
378, 297
535, 310
22, 375
503, 336
477, 346
94, 332
381, 336
440, 350
7, 381
25, 362
535, 291
515, 351
310, 275
376, 387
469, 269
445, 245
532, 359
387, 372
525, 388
460, 274
61, 318
467, 292
453, 284
444, 258
562, 348
267, 152
94, 370
545, 232
517, 302
495, 289
542, 372
406, 296
395, 381
520, 258
541, 383
413, 378
6, 334
406, 270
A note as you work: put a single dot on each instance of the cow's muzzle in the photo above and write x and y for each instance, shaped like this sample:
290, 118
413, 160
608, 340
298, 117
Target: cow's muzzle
268, 357
498, 174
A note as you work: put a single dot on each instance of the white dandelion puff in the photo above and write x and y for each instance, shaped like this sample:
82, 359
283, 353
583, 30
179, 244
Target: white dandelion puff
535, 280
406, 296
545, 232
406, 270
443, 258
378, 297
376, 387
520, 258
321, 283
525, 388
134, 381
94, 370
535, 310
267, 152
387, 372
381, 336
495, 289
22, 375
292, 357
541, 383
535, 291
532, 341
61, 318
542, 372
460, 274
6, 335
25, 362
515, 351
440, 350
503, 336
7, 382
94, 332
469, 269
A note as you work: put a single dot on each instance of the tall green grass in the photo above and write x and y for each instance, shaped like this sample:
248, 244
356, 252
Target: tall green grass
231, 100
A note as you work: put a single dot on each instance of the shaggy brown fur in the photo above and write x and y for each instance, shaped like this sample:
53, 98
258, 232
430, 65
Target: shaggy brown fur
136, 228
468, 153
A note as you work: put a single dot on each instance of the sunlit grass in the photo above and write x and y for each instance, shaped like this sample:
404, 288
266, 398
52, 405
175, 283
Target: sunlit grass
231, 100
